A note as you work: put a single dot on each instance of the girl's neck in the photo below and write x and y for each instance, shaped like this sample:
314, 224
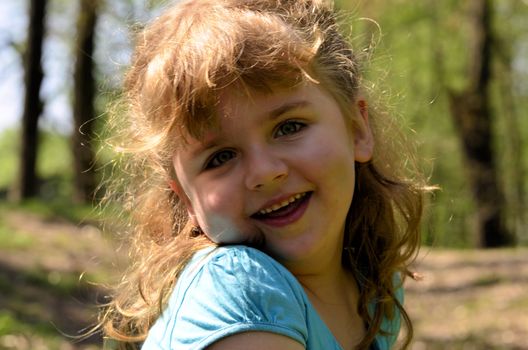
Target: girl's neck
334, 294
324, 277
327, 287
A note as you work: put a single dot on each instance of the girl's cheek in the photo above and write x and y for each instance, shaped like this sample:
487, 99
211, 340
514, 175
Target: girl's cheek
214, 200
217, 214
222, 229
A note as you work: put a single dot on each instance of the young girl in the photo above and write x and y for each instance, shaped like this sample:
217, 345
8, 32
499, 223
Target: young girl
266, 211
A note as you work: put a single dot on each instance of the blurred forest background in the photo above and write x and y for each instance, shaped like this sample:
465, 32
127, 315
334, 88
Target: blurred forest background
455, 73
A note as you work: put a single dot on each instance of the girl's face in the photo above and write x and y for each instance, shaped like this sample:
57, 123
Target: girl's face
278, 170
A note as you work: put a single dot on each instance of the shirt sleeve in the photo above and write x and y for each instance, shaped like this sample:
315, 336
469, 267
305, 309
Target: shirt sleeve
237, 289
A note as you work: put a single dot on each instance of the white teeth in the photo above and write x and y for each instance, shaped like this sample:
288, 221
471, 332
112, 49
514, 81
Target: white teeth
282, 204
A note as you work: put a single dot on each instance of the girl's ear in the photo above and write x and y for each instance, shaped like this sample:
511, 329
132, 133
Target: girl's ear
176, 188
363, 139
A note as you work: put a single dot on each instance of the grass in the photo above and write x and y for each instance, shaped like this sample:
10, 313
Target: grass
40, 301
58, 208
11, 324
18, 335
10, 240
487, 280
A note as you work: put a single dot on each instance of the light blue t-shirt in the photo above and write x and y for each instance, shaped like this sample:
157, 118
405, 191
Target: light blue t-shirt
233, 289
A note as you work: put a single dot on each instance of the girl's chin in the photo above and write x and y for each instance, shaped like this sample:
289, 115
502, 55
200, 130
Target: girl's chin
234, 236
226, 236
221, 229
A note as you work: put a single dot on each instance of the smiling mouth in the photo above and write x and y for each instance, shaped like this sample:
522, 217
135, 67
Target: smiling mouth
283, 208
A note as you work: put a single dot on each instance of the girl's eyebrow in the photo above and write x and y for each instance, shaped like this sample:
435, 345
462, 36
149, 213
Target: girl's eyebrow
277, 112
203, 147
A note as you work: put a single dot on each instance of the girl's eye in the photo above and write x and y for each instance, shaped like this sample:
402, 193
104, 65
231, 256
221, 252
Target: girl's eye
219, 158
289, 127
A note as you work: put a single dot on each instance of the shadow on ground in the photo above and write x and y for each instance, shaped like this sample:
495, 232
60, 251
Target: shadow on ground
470, 299
41, 303
51, 279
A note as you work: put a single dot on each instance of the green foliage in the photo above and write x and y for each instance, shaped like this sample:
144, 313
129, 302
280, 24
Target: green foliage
54, 162
421, 50
54, 159
9, 153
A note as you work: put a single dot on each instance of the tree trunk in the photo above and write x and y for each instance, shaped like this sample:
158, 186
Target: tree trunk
472, 116
83, 103
511, 114
27, 185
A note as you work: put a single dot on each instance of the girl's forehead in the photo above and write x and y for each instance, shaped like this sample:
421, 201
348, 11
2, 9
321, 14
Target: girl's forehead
270, 101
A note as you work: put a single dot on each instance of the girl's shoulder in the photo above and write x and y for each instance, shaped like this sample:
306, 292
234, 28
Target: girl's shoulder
239, 258
228, 290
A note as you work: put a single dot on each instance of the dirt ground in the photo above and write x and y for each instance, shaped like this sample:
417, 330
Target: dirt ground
467, 299
470, 299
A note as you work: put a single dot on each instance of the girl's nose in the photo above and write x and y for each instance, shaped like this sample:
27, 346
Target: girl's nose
265, 170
